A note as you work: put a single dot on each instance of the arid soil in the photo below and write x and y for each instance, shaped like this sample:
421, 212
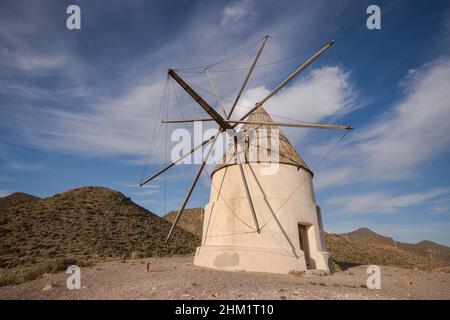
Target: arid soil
178, 278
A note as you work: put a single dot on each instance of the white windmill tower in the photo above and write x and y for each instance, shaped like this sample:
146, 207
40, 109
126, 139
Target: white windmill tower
262, 214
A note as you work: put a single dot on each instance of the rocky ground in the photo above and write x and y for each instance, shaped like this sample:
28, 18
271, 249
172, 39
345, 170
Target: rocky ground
178, 278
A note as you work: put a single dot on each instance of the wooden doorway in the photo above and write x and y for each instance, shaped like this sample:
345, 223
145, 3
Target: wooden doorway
304, 243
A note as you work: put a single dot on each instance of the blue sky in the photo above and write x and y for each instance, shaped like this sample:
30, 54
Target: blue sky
78, 107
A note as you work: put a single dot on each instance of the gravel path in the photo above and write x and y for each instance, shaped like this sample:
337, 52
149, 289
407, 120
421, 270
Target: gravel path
178, 278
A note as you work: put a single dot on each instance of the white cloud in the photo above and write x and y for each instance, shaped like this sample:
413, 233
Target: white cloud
33, 63
145, 192
326, 92
237, 12
379, 203
399, 142
417, 129
122, 124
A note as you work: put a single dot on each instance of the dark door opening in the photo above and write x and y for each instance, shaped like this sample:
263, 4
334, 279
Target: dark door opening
304, 244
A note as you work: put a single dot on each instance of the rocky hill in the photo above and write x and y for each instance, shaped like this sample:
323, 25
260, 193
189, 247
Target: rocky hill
367, 234
191, 220
428, 249
89, 223
14, 199
347, 253
433, 249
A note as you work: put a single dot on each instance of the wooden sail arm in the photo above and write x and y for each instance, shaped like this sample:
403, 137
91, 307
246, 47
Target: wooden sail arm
294, 125
247, 77
176, 161
191, 189
297, 125
210, 110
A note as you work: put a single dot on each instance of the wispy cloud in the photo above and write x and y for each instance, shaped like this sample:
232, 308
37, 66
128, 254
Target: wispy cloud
440, 209
24, 166
134, 185
120, 123
145, 192
381, 203
238, 13
10, 161
332, 177
44, 63
395, 145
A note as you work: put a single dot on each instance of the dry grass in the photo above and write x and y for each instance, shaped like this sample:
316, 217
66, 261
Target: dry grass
191, 220
90, 223
50, 266
368, 251
15, 199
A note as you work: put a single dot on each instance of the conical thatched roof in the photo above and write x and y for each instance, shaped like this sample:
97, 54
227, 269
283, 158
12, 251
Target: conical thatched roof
286, 152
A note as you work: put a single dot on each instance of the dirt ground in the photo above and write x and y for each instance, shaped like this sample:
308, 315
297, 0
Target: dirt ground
178, 278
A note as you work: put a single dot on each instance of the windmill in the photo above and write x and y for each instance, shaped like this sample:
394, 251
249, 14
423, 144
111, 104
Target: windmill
256, 221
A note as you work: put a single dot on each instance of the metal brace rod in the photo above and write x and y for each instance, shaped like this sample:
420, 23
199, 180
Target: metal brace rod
247, 191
